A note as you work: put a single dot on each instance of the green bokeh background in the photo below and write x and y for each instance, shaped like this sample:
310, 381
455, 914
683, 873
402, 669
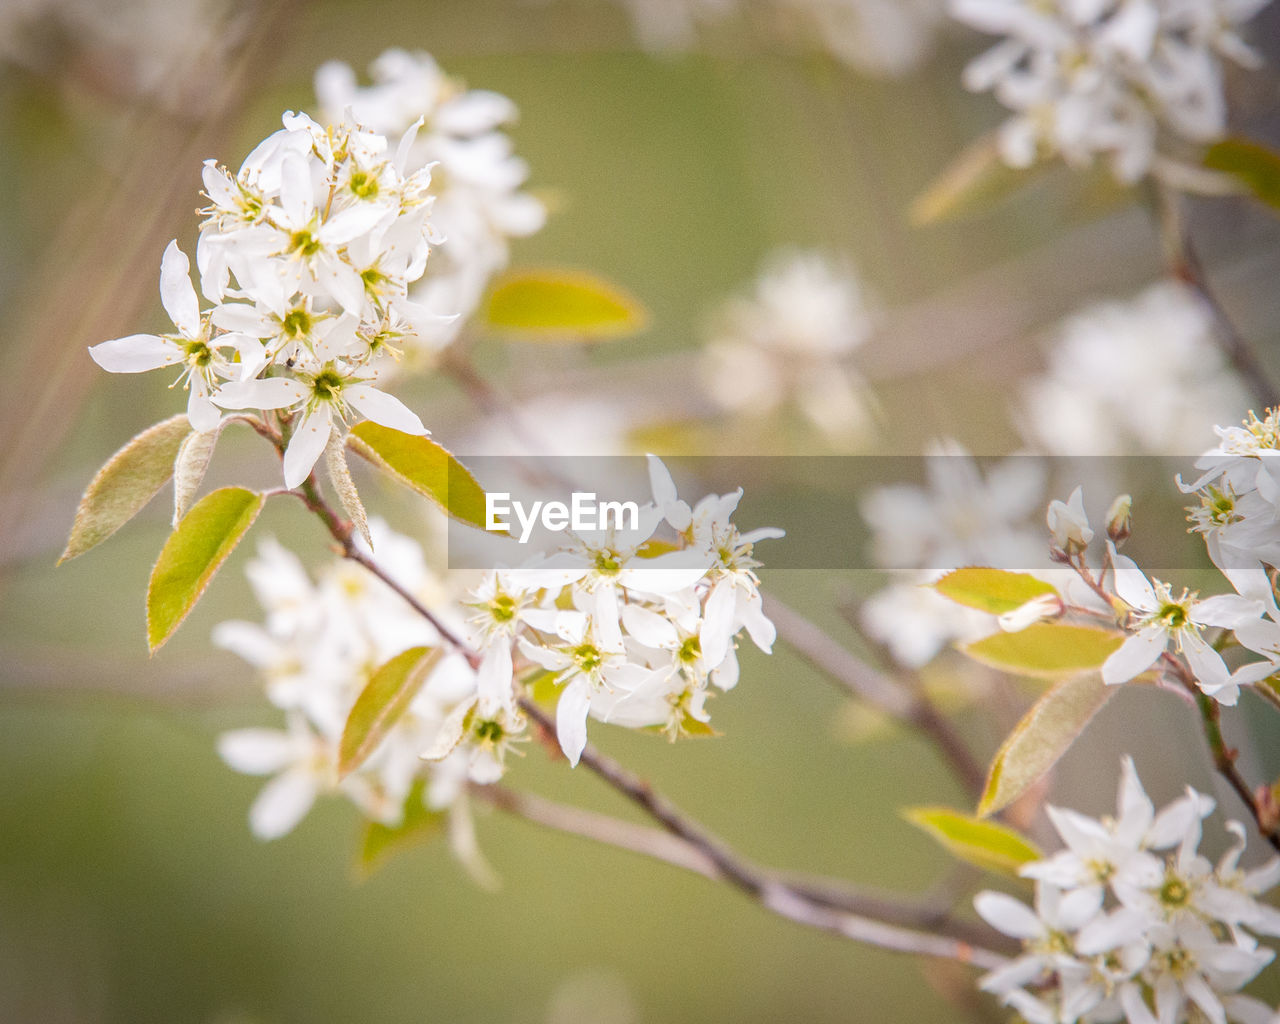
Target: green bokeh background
130, 888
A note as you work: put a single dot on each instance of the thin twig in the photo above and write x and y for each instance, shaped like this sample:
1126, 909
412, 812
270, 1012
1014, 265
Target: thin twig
1224, 757
1184, 264
671, 849
864, 682
771, 893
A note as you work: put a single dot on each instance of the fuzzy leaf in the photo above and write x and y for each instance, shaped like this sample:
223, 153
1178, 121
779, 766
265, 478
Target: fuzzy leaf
130, 479
1256, 166
1043, 736
562, 305
335, 455
1046, 649
193, 553
189, 468
425, 466
985, 844
991, 590
379, 842
975, 180
383, 700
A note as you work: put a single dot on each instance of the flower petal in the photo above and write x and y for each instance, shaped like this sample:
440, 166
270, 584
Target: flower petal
1137, 654
309, 439
136, 353
383, 408
176, 292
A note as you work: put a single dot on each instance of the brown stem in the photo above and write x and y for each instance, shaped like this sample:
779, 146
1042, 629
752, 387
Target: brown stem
863, 682
1224, 757
1185, 265
763, 887
766, 889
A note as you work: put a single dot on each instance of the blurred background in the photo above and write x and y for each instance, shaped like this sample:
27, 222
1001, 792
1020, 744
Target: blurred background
679, 148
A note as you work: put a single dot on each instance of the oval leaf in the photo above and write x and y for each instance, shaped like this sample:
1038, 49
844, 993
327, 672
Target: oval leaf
193, 553
973, 182
425, 466
1256, 166
381, 703
189, 468
991, 590
130, 479
1043, 736
1046, 649
985, 844
562, 305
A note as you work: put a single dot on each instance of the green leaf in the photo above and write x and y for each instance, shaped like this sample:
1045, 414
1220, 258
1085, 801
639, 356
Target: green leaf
189, 467
562, 305
1256, 166
130, 479
1048, 649
991, 590
972, 183
1043, 736
379, 842
335, 455
383, 700
193, 553
985, 844
425, 466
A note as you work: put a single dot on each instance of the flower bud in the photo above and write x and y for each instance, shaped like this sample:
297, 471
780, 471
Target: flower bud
1120, 519
1068, 524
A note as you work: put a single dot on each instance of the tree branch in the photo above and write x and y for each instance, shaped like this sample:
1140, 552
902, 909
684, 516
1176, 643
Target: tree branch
1224, 757
863, 682
1184, 265
760, 885
671, 849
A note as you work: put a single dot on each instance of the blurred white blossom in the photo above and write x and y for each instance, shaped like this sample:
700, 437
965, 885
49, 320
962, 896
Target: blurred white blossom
788, 342
1109, 78
874, 37
1142, 375
476, 178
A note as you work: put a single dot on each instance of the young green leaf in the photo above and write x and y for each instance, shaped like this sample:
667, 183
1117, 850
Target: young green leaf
972, 183
193, 553
1043, 736
562, 305
189, 468
335, 454
130, 479
1254, 165
425, 466
379, 842
985, 844
1046, 649
383, 700
991, 590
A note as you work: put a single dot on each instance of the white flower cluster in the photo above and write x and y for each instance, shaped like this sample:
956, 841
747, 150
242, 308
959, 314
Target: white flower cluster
306, 254
1143, 374
476, 176
1132, 922
960, 518
1107, 77
633, 628
318, 648
788, 342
